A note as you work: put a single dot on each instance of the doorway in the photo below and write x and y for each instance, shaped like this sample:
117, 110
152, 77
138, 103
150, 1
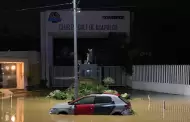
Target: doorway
12, 75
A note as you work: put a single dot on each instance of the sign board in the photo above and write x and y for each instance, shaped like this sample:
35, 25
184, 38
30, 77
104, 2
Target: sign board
88, 21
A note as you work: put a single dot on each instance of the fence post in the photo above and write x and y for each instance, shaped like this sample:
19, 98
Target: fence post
164, 105
148, 102
2, 101
149, 98
163, 108
11, 101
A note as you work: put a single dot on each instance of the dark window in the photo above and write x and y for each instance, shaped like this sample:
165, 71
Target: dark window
103, 99
85, 100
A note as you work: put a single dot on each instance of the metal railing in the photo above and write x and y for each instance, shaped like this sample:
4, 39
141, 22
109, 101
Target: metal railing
173, 74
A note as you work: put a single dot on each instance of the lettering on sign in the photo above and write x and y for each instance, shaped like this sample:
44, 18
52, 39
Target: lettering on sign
90, 27
113, 17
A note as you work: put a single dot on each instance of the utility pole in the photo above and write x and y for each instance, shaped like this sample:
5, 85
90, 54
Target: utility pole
76, 82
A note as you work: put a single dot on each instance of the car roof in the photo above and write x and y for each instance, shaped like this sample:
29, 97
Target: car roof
110, 95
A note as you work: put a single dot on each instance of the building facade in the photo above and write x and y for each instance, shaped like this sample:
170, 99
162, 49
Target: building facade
91, 25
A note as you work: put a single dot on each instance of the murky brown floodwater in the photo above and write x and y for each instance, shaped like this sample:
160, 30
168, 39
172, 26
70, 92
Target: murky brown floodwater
36, 110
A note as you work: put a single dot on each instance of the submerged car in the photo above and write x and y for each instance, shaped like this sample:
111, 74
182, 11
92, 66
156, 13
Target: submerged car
94, 104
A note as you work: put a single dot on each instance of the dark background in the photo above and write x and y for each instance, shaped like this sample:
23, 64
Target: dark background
160, 27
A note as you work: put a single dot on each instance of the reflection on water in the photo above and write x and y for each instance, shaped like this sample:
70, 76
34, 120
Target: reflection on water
36, 110
10, 113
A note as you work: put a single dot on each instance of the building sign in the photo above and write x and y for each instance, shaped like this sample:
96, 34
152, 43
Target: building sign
90, 27
88, 21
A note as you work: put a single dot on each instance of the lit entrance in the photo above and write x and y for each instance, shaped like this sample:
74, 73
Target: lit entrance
12, 75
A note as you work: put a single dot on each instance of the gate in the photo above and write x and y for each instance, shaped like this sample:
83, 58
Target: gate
63, 76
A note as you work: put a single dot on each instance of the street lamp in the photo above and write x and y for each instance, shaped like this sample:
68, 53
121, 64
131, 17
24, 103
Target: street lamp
76, 82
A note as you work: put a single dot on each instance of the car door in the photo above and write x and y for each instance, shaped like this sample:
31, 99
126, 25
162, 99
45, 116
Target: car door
84, 106
104, 105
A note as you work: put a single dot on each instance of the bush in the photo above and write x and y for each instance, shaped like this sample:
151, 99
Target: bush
111, 91
126, 96
85, 88
99, 89
57, 94
108, 81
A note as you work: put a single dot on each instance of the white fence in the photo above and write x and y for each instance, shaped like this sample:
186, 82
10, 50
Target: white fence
173, 74
62, 75
162, 78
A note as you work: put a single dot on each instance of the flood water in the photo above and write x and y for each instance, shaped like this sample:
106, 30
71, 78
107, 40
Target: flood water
177, 109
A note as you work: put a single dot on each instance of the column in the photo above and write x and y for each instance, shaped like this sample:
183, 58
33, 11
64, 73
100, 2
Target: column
18, 75
43, 45
46, 50
49, 59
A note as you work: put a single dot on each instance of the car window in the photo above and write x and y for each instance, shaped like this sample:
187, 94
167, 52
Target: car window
103, 99
86, 100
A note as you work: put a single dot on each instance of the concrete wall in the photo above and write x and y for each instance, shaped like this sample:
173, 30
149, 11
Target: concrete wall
162, 87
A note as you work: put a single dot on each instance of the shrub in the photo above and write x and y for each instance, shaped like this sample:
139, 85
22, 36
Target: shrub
57, 94
126, 96
99, 89
84, 89
111, 91
108, 81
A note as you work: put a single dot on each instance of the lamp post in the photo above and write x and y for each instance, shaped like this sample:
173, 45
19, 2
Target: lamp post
76, 82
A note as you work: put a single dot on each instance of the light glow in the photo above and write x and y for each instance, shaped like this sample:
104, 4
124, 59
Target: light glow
13, 67
7, 67
13, 118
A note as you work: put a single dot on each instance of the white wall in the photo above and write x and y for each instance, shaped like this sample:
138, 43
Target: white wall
162, 87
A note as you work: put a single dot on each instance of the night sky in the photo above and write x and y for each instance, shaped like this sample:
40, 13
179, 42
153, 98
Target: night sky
159, 26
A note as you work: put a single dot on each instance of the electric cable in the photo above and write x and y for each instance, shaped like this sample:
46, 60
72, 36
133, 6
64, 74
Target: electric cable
59, 5
48, 6
39, 7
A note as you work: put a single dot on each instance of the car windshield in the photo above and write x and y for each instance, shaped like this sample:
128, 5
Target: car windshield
71, 102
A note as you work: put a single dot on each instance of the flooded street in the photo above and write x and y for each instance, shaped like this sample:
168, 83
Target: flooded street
22, 109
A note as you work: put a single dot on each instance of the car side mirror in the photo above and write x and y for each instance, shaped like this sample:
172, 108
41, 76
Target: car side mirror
70, 102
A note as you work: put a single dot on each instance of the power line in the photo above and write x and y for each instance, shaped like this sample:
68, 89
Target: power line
42, 7
78, 2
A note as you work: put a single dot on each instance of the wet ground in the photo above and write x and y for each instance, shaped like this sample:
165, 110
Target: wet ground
30, 109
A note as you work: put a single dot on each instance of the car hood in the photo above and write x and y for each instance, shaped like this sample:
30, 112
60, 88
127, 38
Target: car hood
62, 105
